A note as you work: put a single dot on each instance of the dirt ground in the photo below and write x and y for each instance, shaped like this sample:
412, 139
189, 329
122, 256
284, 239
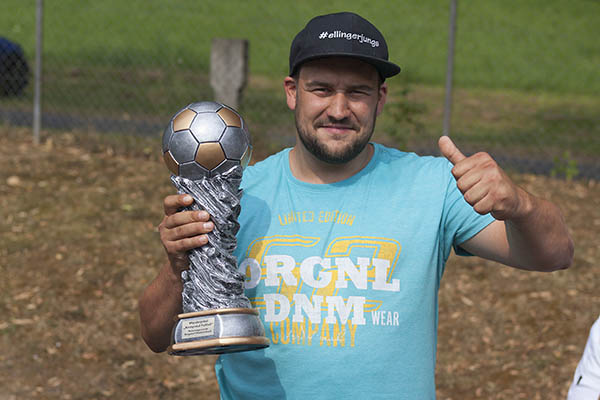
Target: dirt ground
78, 243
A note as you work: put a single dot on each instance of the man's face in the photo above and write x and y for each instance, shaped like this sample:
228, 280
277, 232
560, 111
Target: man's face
336, 101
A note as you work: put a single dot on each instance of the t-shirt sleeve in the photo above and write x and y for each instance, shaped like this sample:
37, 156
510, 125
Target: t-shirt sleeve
586, 382
460, 221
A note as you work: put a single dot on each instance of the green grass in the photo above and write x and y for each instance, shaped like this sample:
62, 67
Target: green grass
529, 45
514, 121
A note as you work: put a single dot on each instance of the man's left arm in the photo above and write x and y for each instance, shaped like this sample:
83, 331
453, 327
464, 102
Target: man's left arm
529, 232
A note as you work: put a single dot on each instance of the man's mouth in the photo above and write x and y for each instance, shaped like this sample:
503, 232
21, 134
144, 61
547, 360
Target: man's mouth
337, 128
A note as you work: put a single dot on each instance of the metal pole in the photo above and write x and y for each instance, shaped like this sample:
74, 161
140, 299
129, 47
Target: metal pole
450, 68
37, 95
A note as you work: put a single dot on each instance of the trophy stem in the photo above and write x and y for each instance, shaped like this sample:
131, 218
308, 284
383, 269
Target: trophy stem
213, 280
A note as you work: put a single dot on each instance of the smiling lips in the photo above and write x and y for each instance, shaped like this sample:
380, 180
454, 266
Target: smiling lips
337, 128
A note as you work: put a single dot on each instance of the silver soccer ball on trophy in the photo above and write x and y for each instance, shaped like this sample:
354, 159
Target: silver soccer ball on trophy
205, 139
206, 146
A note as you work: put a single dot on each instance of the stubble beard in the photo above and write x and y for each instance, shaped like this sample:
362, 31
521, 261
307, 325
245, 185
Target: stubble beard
322, 153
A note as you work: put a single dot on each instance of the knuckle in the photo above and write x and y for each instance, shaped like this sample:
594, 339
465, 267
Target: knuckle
179, 231
196, 216
491, 166
190, 243
192, 229
164, 222
468, 197
501, 194
179, 246
480, 209
492, 175
163, 237
170, 247
483, 156
162, 232
498, 191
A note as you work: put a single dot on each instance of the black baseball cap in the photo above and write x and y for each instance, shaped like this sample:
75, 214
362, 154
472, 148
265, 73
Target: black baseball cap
342, 34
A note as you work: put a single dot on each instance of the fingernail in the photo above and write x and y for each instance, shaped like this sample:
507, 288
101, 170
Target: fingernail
187, 198
208, 225
200, 215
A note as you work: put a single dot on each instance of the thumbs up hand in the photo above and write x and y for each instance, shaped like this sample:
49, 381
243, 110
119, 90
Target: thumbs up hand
484, 185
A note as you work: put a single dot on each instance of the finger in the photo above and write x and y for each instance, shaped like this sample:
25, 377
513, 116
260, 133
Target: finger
186, 217
467, 179
484, 205
188, 231
476, 194
449, 150
174, 202
187, 244
481, 162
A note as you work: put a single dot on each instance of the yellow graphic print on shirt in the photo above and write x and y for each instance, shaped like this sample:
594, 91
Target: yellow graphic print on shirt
302, 298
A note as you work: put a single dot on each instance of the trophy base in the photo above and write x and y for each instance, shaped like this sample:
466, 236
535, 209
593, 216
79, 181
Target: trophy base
217, 331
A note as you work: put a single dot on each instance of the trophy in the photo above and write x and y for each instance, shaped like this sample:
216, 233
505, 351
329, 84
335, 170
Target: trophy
206, 146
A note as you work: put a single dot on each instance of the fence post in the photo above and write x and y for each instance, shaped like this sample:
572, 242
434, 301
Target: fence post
450, 68
229, 70
37, 95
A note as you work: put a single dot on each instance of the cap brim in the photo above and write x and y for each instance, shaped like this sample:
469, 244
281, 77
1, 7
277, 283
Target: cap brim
385, 68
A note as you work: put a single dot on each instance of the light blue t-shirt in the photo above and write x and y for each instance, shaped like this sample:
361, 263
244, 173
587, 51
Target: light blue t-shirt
346, 277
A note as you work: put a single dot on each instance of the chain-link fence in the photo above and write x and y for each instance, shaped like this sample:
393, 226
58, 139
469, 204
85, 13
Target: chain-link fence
128, 66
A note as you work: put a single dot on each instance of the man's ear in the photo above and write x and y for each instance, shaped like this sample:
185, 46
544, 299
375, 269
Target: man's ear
290, 86
382, 97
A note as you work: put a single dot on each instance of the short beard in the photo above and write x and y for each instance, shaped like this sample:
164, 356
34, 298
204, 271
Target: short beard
321, 153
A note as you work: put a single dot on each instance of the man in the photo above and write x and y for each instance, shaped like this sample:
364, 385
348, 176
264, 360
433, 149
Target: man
344, 241
586, 382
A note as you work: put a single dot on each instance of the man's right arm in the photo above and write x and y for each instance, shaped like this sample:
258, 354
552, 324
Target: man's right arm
159, 304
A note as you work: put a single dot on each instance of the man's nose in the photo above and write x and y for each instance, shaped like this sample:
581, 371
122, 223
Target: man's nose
339, 108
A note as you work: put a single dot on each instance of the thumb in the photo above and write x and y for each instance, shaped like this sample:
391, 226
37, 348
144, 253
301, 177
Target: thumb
449, 150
